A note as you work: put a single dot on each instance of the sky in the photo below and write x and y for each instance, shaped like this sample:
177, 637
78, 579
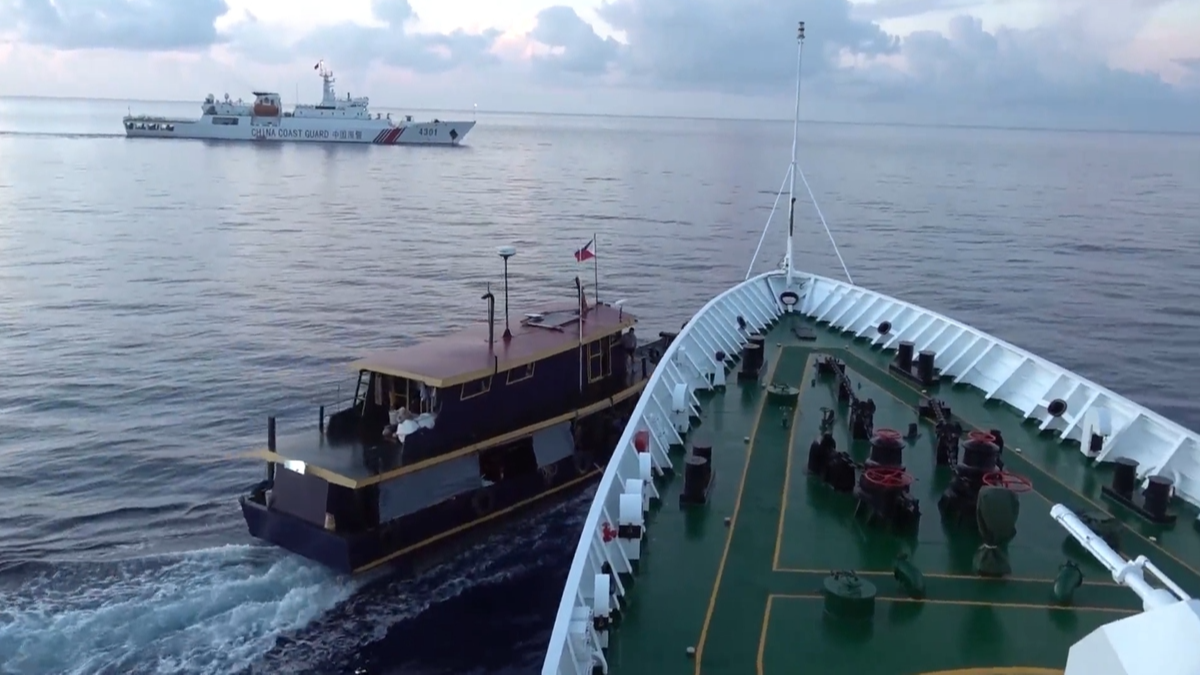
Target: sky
1123, 64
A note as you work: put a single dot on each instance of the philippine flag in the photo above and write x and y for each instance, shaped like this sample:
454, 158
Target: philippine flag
585, 253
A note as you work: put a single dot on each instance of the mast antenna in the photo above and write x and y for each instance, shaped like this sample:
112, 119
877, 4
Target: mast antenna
792, 168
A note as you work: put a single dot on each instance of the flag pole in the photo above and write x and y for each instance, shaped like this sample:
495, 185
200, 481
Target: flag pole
595, 269
579, 302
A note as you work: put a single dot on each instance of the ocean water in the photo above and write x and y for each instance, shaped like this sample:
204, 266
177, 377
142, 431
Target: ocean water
159, 299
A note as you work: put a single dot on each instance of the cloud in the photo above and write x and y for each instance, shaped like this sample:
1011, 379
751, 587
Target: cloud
576, 47
743, 47
1051, 74
666, 55
882, 10
353, 46
155, 25
1047, 71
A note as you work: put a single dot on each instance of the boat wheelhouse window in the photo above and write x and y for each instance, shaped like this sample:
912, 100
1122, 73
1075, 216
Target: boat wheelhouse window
226, 121
476, 388
520, 374
395, 392
596, 360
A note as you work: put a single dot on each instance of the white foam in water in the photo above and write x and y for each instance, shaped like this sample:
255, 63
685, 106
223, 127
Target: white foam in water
207, 611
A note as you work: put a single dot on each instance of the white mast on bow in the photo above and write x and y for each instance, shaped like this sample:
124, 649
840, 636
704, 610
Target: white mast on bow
795, 137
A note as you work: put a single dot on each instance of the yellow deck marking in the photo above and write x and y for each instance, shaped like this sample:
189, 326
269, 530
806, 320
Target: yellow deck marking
972, 603
939, 575
1039, 468
712, 598
775, 566
1006, 670
766, 624
787, 473
762, 635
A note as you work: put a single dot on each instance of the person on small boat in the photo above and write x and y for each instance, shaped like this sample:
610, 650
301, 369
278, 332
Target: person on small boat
629, 346
396, 416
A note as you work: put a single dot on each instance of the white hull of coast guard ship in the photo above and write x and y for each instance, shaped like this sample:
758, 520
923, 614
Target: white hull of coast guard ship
333, 120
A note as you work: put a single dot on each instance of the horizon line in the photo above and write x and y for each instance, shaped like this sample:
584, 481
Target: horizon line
544, 113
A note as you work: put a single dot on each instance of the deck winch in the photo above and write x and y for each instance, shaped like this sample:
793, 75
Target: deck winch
978, 464
883, 486
834, 467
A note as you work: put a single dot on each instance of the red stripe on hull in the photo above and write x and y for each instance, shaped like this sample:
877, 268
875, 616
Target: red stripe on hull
399, 133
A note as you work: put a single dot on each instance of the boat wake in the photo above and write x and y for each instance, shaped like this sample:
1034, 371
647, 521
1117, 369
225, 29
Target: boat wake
53, 134
206, 611
240, 608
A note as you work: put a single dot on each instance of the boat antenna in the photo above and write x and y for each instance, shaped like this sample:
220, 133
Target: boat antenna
792, 167
506, 252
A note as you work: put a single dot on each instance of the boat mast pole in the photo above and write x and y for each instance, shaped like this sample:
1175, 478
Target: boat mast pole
792, 169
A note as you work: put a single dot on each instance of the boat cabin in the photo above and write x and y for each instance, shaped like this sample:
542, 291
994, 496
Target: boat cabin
472, 385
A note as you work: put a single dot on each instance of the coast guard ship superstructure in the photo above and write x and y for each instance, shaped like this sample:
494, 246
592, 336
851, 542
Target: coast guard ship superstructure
333, 120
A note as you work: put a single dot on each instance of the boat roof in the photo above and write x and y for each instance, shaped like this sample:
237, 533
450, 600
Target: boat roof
464, 356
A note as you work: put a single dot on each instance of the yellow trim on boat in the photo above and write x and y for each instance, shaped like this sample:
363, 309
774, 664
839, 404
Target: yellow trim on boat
346, 481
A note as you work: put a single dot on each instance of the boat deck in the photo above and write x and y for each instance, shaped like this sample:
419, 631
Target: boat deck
354, 463
747, 595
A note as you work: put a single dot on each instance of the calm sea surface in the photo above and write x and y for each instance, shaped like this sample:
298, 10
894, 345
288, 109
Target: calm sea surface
159, 299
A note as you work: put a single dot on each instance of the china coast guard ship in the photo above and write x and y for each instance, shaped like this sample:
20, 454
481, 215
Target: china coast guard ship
880, 489
333, 120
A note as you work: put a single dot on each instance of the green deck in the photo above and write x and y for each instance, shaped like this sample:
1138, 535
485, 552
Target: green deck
747, 595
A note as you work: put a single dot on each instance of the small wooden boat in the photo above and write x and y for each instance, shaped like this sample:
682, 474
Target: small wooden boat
446, 435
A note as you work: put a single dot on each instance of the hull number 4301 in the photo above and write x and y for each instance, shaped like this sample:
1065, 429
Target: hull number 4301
427, 131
